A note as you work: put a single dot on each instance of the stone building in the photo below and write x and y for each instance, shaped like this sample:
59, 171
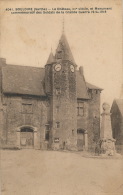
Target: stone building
117, 123
51, 107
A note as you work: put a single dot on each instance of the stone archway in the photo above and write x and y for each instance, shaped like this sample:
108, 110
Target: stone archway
27, 137
82, 141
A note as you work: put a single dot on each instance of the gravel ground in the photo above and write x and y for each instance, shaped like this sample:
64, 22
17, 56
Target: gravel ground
36, 172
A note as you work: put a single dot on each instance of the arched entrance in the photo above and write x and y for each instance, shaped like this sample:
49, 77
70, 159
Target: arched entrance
26, 137
82, 139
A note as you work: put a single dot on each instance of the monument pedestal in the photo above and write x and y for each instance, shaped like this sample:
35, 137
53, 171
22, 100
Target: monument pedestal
107, 147
106, 143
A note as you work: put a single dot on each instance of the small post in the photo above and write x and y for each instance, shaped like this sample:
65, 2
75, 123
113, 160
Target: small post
86, 140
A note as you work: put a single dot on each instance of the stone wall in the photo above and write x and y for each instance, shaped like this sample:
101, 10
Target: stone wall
82, 121
60, 108
15, 117
65, 102
93, 118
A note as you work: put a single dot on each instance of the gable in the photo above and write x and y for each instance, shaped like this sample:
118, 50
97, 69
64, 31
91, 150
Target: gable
117, 107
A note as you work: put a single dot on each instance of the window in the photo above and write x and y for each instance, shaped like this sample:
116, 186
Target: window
96, 91
80, 131
57, 109
58, 91
47, 127
90, 93
47, 132
56, 140
80, 108
72, 131
57, 124
27, 108
26, 129
46, 135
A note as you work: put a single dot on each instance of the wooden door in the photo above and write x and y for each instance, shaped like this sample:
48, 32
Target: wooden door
27, 139
80, 141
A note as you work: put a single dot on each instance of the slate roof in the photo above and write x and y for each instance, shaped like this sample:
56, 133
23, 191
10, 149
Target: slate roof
23, 80
64, 47
26, 80
51, 59
81, 87
90, 86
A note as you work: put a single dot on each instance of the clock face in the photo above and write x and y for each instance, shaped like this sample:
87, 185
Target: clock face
58, 67
72, 68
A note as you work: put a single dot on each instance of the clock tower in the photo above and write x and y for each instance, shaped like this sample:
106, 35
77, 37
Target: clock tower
63, 100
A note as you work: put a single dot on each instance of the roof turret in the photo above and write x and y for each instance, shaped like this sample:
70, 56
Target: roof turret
51, 58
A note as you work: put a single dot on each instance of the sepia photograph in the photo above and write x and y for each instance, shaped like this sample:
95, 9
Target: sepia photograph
61, 97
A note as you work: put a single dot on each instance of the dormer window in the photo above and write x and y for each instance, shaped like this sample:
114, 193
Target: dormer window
59, 55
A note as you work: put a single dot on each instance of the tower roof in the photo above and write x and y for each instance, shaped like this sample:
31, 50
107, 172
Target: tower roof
51, 58
63, 50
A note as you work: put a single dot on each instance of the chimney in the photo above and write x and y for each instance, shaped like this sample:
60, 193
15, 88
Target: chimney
2, 62
81, 70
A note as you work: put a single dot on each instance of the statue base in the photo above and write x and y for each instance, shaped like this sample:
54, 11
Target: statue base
107, 147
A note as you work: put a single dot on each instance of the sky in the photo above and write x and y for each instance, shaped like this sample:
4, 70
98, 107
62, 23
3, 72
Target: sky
95, 39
